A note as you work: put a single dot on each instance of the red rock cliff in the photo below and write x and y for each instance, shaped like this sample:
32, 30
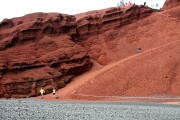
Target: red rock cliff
43, 50
36, 51
96, 22
100, 32
171, 3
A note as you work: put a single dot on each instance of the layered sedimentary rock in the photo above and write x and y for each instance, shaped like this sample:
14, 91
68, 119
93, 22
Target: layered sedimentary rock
110, 45
171, 4
95, 22
44, 50
36, 51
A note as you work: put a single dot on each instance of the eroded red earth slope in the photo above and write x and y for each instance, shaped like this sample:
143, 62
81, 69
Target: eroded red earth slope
49, 50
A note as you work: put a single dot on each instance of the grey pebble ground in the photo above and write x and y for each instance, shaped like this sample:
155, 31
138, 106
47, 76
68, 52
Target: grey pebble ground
28, 109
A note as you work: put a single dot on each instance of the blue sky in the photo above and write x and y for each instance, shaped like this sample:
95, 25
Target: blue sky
17, 8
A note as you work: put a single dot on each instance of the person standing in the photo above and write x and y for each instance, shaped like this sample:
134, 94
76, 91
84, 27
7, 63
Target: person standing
42, 91
139, 50
152, 6
157, 5
55, 93
144, 3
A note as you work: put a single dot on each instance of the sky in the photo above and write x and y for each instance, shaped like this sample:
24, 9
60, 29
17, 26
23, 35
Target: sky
17, 8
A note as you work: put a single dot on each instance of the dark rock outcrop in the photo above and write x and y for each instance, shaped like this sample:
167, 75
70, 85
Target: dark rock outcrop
6, 23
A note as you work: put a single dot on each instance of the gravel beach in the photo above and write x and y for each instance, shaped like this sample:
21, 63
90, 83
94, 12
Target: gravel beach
28, 109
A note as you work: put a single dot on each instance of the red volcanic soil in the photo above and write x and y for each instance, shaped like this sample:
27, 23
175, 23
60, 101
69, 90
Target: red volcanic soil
153, 73
171, 4
50, 50
47, 50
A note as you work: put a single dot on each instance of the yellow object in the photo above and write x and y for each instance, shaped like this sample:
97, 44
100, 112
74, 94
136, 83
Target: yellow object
42, 91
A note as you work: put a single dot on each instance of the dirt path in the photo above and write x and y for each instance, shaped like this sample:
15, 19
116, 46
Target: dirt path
149, 98
70, 90
168, 16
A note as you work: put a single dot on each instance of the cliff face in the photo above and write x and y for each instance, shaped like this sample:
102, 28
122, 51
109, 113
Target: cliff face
171, 4
44, 50
95, 22
102, 33
37, 52
154, 73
